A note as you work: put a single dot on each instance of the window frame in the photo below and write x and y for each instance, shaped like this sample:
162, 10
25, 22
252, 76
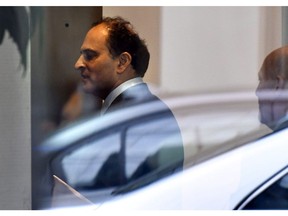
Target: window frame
261, 188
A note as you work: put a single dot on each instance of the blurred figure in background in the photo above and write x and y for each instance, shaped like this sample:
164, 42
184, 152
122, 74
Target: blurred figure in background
272, 89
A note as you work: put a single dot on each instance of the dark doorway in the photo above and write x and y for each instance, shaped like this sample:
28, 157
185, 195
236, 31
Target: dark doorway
56, 36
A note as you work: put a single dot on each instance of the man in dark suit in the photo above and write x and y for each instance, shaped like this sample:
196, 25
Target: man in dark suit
112, 63
138, 151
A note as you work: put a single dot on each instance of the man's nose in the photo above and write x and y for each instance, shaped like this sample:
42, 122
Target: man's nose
79, 65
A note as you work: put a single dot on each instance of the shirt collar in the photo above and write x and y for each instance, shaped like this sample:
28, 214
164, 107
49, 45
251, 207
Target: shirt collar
117, 91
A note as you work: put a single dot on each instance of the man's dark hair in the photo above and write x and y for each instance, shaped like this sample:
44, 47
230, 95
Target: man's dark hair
123, 38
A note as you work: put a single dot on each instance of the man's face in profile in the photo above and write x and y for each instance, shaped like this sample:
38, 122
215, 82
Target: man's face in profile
97, 67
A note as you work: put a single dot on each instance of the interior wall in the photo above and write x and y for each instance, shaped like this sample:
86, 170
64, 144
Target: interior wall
216, 48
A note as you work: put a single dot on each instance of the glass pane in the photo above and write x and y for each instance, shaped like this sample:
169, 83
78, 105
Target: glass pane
83, 165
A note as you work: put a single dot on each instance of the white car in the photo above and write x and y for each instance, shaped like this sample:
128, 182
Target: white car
231, 162
250, 176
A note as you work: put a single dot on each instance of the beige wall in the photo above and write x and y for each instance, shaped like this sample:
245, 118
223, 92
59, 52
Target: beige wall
208, 49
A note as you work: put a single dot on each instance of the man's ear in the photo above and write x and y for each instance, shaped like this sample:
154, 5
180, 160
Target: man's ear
124, 60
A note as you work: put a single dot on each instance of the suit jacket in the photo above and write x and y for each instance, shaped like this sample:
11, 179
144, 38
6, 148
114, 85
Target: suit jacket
135, 95
153, 134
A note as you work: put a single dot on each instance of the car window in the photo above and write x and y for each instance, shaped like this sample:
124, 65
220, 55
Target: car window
275, 197
151, 141
82, 165
218, 127
120, 154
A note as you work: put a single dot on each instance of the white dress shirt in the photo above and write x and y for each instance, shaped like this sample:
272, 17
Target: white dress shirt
117, 91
